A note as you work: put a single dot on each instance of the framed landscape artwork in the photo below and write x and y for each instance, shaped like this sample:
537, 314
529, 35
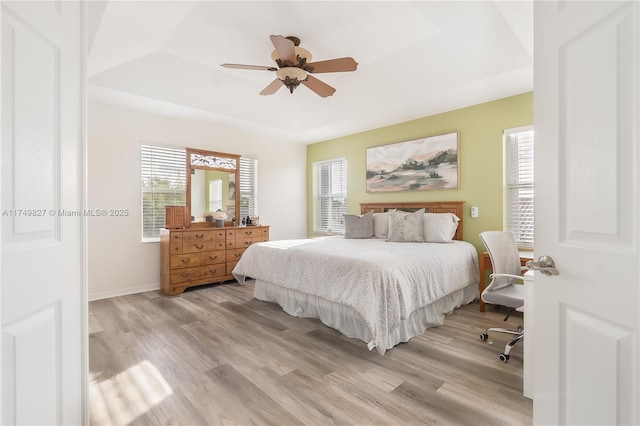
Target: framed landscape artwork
416, 165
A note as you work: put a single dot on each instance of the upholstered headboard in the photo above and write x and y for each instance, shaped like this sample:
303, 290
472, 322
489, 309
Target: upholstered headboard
455, 207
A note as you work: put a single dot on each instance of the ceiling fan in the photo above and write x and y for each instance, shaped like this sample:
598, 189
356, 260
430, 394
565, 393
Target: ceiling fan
294, 68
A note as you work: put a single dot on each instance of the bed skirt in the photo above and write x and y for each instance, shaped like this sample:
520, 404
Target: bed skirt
341, 317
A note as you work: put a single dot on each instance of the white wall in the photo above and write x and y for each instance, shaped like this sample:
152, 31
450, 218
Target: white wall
119, 263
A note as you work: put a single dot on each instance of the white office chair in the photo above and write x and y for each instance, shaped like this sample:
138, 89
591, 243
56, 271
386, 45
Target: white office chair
503, 289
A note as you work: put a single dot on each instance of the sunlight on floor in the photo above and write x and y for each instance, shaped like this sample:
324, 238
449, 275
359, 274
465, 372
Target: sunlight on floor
120, 399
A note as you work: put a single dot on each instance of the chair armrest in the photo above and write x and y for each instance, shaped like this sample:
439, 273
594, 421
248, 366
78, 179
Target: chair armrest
518, 277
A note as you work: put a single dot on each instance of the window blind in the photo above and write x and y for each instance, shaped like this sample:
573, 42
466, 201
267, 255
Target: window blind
519, 180
330, 195
163, 183
248, 187
215, 195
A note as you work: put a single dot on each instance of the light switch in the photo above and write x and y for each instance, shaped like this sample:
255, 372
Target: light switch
474, 211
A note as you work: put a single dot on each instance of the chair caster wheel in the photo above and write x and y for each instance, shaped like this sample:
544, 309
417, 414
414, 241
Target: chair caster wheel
504, 357
484, 336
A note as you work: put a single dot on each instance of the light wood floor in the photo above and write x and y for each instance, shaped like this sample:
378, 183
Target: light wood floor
215, 355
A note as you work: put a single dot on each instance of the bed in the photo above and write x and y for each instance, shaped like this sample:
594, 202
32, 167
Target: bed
378, 289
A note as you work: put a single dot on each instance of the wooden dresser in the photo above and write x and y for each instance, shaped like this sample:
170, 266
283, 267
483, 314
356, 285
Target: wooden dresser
196, 256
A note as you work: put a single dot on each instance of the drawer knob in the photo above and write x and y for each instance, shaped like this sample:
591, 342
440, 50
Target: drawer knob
237, 254
187, 260
199, 246
199, 236
248, 232
213, 257
185, 274
212, 271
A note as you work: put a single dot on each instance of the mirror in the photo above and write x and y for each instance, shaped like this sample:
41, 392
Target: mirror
211, 185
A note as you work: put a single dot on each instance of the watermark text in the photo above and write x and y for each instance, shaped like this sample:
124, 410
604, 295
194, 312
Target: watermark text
65, 212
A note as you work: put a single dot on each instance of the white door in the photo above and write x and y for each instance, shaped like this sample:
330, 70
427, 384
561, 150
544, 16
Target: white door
587, 123
43, 293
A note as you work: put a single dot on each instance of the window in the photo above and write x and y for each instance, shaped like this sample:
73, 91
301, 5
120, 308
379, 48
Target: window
248, 187
519, 198
163, 183
330, 195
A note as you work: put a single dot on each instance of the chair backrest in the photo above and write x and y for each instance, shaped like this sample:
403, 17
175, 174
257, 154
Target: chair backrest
505, 258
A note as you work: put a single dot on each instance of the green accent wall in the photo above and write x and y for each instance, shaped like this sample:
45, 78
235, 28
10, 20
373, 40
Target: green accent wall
479, 128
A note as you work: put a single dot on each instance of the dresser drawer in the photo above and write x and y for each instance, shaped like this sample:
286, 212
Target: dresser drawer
264, 234
231, 242
184, 260
175, 243
185, 275
201, 246
212, 271
248, 233
245, 242
212, 257
234, 255
200, 236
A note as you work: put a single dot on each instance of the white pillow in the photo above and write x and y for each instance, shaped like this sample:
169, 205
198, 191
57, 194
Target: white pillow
406, 226
381, 224
440, 227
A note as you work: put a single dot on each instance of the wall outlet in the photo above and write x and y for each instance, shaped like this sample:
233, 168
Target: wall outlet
474, 211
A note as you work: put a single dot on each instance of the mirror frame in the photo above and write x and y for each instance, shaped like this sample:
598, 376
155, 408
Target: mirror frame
192, 167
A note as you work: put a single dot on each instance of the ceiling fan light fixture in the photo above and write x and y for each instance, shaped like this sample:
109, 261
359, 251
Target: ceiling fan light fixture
291, 77
301, 52
294, 67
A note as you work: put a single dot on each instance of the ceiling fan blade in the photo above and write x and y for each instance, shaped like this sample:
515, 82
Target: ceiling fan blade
284, 47
320, 87
334, 65
272, 87
250, 67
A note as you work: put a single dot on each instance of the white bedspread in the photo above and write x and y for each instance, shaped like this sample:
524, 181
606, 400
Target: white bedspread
382, 282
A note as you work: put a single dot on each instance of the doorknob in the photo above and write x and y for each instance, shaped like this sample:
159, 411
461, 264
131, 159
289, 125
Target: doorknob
545, 265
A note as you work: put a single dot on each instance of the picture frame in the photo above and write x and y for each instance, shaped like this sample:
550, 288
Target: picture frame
424, 164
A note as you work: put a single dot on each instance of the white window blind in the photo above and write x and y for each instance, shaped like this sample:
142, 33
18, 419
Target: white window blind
519, 197
163, 183
330, 195
248, 187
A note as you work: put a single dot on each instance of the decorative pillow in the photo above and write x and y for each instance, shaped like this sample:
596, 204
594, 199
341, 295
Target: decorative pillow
406, 226
381, 224
440, 227
358, 226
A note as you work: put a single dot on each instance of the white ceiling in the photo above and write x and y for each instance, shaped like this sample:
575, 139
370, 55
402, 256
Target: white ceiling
415, 59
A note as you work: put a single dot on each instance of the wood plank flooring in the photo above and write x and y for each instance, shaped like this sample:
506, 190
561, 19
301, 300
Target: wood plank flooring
216, 356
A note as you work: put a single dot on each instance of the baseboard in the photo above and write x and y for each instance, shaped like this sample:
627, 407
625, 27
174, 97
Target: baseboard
122, 291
